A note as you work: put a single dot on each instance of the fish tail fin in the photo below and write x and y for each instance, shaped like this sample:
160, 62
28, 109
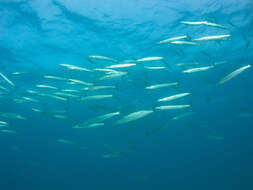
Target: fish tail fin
90, 60
189, 37
154, 108
166, 63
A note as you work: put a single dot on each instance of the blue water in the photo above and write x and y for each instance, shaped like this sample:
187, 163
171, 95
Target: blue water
210, 149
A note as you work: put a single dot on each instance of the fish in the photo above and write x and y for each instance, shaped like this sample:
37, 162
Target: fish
121, 65
161, 85
154, 68
3, 123
182, 116
98, 119
32, 92
172, 39
233, 74
12, 116
46, 86
99, 87
74, 81
36, 110
105, 70
172, 107
58, 116
113, 75
19, 101
194, 22
134, 116
6, 79
56, 97
114, 155
72, 67
52, 96
55, 77
103, 117
8, 131
174, 97
96, 97
69, 90
187, 64
215, 37
215, 25
203, 23
88, 126
66, 95
219, 63
199, 69
184, 43
145, 59
64, 141
103, 58
3, 88
30, 99
19, 73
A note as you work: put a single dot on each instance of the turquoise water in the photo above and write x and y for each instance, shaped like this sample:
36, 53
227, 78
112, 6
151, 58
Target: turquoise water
206, 145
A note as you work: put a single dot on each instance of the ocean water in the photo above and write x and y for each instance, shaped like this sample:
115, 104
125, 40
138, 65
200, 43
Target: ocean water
207, 145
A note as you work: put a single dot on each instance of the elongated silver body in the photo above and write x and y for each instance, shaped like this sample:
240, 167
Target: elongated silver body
174, 97
134, 116
233, 74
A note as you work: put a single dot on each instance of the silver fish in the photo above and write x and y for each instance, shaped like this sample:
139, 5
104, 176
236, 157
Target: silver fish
98, 119
172, 39
161, 85
75, 81
145, 59
30, 99
12, 116
8, 131
55, 78
99, 87
103, 58
121, 65
233, 74
215, 37
64, 141
96, 97
184, 43
6, 79
199, 69
173, 107
46, 86
155, 68
72, 67
174, 97
203, 23
66, 95
36, 110
88, 126
134, 116
113, 75
182, 115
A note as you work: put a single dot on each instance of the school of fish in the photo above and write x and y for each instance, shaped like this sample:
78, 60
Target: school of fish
106, 73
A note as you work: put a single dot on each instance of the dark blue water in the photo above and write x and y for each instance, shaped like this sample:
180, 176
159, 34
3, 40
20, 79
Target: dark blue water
210, 149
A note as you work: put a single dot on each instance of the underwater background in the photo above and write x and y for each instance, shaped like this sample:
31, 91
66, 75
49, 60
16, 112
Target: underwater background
207, 145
